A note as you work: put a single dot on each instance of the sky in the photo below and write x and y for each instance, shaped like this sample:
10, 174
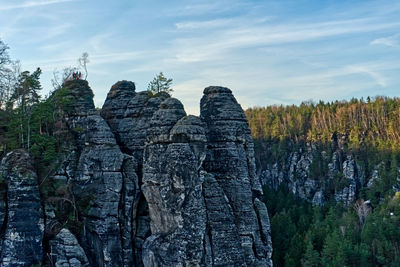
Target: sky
266, 52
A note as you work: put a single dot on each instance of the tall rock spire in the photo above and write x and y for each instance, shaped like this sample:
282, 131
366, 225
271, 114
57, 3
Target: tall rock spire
230, 159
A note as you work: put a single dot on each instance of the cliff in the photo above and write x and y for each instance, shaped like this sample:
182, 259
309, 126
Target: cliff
316, 173
139, 184
338, 151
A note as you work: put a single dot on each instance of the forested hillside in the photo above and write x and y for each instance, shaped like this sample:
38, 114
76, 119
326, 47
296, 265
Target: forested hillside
331, 181
373, 122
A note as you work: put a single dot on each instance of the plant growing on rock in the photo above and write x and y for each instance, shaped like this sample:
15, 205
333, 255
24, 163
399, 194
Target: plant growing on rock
160, 84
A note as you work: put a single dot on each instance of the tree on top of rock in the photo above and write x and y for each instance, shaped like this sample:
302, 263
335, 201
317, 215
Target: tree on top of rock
83, 60
160, 84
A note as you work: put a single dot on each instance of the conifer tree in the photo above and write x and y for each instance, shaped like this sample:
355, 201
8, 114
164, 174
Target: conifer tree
160, 84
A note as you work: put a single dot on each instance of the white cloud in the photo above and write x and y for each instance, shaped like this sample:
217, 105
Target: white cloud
393, 41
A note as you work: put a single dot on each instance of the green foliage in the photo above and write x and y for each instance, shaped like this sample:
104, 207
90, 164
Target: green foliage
311, 257
375, 123
62, 99
37, 130
303, 235
339, 181
319, 166
79, 129
160, 84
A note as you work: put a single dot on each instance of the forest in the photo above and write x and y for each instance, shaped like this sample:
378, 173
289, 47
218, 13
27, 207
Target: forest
371, 121
365, 233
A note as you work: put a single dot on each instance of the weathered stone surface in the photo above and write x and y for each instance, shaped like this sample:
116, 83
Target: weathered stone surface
23, 231
95, 172
130, 197
80, 97
172, 187
117, 100
228, 125
352, 173
66, 251
129, 113
265, 228
223, 246
230, 159
171, 110
147, 185
318, 198
3, 206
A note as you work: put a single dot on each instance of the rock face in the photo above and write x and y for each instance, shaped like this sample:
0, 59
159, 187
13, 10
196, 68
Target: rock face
193, 220
172, 187
66, 250
22, 231
337, 172
128, 114
230, 159
145, 184
94, 170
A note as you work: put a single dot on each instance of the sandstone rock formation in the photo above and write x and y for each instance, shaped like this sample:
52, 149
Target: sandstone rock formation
128, 114
342, 174
230, 159
145, 185
22, 230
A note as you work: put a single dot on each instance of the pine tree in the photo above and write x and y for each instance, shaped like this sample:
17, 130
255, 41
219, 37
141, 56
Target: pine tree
311, 257
23, 100
160, 84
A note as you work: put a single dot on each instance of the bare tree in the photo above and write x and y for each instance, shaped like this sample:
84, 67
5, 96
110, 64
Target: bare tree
363, 209
8, 81
59, 77
4, 72
83, 60
4, 57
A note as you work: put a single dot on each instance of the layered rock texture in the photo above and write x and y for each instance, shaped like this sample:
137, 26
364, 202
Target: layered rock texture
230, 161
22, 230
142, 184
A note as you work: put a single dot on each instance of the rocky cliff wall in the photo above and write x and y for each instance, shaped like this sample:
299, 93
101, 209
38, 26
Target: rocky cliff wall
319, 172
140, 184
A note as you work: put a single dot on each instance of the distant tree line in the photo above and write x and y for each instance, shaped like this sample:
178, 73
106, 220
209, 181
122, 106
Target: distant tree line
374, 122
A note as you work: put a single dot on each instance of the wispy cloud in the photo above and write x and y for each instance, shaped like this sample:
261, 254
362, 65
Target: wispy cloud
213, 45
192, 25
32, 4
393, 41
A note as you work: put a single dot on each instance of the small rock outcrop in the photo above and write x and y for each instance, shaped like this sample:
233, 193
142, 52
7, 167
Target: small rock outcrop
22, 231
66, 250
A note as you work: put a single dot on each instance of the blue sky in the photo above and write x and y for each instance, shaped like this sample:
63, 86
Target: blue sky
267, 52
